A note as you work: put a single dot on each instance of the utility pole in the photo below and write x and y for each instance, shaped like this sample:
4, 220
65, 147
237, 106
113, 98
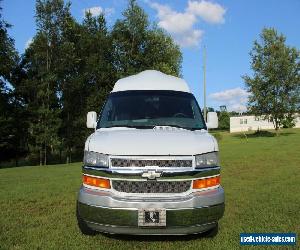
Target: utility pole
204, 82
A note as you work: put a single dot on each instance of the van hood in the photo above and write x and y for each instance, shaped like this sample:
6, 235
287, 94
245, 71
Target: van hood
128, 141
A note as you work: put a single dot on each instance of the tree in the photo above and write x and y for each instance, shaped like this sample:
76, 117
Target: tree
42, 61
138, 47
224, 120
161, 53
12, 123
71, 87
275, 85
87, 73
100, 75
288, 121
8, 54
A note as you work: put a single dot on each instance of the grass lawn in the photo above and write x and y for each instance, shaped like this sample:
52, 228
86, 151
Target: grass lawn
261, 177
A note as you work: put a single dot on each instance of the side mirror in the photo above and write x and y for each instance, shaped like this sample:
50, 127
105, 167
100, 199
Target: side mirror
212, 120
91, 119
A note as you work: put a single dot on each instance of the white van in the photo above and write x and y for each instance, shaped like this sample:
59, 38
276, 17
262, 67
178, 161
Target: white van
150, 167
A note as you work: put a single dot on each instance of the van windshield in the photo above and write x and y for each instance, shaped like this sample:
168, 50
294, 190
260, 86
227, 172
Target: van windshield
147, 109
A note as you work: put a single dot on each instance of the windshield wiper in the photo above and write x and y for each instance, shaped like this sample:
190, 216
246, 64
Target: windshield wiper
152, 126
131, 126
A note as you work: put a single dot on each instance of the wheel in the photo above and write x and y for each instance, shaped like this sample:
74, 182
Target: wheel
84, 228
212, 232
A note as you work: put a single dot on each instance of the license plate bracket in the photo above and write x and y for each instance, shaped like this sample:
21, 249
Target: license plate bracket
152, 217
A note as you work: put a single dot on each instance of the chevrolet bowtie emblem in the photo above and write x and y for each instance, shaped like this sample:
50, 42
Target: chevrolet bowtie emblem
151, 175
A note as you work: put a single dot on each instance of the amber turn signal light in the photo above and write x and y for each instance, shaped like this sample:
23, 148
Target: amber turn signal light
95, 181
206, 183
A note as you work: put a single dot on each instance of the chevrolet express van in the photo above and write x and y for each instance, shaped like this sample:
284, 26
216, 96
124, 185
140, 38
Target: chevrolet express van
150, 167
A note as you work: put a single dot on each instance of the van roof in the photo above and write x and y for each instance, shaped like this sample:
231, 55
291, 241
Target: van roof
151, 80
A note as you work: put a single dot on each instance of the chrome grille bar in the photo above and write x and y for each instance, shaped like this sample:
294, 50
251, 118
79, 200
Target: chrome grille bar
141, 163
151, 186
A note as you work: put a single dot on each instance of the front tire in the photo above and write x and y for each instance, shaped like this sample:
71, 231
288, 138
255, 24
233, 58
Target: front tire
84, 228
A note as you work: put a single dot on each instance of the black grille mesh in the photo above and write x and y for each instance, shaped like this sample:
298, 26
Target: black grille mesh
120, 162
151, 186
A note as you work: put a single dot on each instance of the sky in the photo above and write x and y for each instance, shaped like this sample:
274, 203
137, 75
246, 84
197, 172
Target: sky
226, 28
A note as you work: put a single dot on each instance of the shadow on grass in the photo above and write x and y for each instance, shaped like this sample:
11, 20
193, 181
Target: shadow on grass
161, 238
286, 133
262, 133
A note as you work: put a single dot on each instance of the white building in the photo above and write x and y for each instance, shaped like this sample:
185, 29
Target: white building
252, 123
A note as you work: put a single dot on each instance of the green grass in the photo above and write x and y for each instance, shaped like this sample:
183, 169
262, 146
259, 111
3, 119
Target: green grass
260, 175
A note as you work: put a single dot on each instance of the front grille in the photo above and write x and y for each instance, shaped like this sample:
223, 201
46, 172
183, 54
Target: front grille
121, 162
151, 186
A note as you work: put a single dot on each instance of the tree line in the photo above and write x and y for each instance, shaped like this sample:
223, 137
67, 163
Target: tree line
68, 70
71, 66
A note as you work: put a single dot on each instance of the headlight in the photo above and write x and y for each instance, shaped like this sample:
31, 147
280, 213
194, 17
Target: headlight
95, 159
207, 160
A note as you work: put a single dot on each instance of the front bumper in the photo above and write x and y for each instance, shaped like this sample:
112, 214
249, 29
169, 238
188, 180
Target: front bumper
194, 213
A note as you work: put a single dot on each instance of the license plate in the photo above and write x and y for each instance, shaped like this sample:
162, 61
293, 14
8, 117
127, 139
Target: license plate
152, 218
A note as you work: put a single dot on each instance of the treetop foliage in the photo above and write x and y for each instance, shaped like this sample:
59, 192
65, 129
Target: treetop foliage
274, 86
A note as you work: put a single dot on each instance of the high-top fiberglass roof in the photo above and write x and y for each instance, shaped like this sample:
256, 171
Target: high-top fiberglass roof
151, 80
